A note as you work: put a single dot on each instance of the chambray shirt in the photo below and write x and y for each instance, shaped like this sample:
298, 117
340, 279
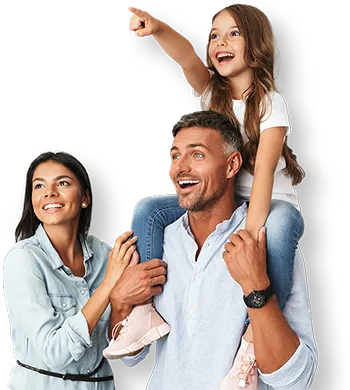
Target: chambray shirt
205, 309
44, 301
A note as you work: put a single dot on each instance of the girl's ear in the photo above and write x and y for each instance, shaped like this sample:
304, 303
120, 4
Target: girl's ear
234, 163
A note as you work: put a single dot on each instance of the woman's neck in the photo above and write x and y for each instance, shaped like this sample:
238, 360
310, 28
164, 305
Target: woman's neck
65, 241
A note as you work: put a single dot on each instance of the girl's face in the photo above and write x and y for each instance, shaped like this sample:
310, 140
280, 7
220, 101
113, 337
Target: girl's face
57, 195
227, 47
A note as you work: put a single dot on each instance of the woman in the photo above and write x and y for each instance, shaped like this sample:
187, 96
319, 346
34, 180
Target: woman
57, 281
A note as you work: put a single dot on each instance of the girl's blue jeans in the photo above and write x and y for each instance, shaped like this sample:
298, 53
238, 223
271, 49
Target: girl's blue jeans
284, 227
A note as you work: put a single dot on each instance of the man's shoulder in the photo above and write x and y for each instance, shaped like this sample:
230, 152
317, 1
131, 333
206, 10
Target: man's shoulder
172, 229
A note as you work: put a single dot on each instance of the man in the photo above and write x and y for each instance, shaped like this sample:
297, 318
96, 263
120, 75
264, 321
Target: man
209, 269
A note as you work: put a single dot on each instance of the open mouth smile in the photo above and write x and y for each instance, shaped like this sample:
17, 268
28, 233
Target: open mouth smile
187, 184
224, 57
52, 206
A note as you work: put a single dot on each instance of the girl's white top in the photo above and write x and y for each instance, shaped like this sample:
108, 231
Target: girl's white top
276, 116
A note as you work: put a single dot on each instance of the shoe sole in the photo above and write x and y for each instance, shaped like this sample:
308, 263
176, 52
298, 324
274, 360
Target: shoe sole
153, 334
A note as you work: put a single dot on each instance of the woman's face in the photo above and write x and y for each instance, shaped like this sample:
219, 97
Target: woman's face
57, 195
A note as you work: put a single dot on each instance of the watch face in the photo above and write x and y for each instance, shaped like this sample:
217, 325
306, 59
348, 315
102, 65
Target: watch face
256, 299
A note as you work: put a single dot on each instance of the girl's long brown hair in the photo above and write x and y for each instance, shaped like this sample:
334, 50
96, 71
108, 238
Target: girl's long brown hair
257, 32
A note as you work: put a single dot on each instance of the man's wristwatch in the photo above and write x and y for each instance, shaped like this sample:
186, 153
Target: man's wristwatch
257, 299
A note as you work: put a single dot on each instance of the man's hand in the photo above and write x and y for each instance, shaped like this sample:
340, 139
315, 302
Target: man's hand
246, 260
143, 23
138, 283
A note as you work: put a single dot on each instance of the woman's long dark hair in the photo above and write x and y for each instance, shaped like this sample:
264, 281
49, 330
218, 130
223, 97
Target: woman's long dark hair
29, 222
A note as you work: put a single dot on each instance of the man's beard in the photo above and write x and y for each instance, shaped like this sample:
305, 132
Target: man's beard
199, 202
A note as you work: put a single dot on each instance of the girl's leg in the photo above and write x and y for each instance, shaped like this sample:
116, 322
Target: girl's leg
151, 216
284, 228
144, 325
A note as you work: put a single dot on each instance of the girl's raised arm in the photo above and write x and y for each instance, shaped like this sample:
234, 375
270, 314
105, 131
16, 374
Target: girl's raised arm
174, 44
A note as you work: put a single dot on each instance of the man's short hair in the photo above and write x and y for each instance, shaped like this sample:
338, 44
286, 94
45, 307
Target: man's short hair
209, 119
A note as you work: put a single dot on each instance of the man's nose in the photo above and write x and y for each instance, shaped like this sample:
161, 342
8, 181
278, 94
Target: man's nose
183, 165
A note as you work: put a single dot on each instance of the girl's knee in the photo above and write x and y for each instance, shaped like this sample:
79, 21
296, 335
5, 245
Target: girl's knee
284, 220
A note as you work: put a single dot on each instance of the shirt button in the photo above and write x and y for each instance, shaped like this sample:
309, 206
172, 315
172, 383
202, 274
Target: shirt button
83, 292
198, 276
64, 304
88, 371
191, 311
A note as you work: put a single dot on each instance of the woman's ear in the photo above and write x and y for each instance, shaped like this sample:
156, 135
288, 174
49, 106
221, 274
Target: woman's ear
86, 200
234, 163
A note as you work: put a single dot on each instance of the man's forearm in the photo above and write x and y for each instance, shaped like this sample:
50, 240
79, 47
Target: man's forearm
274, 340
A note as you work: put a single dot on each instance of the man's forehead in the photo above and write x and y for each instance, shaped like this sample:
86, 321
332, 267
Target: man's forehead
193, 136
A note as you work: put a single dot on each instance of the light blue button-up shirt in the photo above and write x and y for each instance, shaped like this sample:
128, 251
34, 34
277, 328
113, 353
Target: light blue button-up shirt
44, 301
205, 309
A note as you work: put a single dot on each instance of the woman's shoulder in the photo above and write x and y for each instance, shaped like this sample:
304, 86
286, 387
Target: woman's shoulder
22, 254
95, 243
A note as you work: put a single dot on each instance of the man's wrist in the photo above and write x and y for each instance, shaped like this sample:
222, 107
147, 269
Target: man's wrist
259, 286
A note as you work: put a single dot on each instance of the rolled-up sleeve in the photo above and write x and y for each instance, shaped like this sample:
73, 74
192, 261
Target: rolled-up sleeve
59, 340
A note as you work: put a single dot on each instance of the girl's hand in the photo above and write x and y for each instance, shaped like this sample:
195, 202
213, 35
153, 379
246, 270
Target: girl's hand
142, 23
121, 256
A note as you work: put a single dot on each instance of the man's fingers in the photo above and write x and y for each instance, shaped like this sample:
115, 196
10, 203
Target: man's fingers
154, 272
228, 246
245, 235
235, 239
154, 263
161, 279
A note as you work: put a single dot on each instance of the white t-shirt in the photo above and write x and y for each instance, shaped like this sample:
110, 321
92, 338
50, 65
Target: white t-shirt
276, 116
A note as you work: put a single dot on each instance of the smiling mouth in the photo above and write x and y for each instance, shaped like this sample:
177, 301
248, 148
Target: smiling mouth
52, 206
224, 57
187, 183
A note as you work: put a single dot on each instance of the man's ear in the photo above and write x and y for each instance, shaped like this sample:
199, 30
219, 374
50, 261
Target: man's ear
234, 163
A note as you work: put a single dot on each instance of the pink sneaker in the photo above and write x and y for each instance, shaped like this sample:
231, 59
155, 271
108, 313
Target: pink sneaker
140, 328
244, 372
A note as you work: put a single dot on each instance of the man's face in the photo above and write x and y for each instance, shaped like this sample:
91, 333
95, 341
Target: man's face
198, 167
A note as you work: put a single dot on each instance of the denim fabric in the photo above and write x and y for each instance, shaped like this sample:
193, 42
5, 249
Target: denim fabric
204, 307
44, 301
284, 227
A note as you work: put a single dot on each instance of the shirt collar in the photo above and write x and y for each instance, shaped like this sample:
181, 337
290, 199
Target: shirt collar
236, 218
51, 252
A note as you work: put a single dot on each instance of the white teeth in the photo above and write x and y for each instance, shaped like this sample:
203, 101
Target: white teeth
183, 182
221, 55
52, 206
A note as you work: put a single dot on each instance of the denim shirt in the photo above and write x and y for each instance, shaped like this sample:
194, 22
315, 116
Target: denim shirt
44, 301
204, 307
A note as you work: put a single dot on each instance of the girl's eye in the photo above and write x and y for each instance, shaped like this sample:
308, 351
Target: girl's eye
235, 33
213, 36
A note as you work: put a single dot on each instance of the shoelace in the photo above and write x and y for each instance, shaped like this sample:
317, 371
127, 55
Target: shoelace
247, 371
116, 327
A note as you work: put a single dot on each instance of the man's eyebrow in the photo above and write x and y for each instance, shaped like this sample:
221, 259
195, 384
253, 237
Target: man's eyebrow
215, 28
190, 146
60, 177
197, 145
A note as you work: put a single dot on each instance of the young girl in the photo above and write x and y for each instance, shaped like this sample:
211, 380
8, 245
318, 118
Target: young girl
58, 280
238, 82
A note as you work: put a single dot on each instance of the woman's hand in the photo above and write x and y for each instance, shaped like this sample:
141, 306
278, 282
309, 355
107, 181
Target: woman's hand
143, 23
123, 254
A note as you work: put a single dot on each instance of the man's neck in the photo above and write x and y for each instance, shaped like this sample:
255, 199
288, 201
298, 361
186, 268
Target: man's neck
204, 222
